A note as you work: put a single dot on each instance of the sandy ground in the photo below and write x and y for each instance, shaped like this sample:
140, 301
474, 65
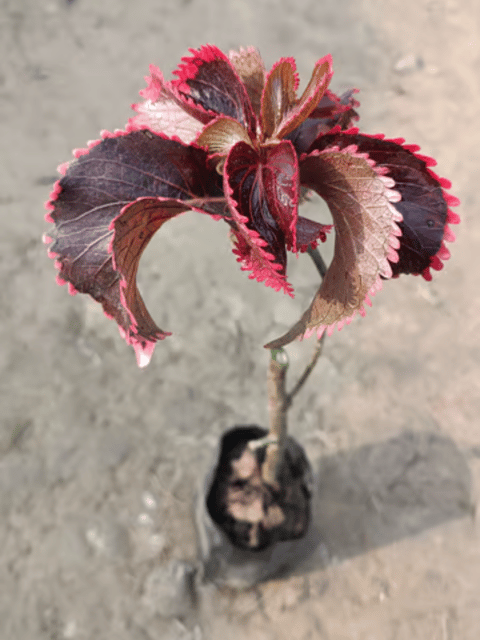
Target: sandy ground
99, 460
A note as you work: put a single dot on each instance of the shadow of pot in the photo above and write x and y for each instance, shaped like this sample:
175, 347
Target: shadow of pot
247, 531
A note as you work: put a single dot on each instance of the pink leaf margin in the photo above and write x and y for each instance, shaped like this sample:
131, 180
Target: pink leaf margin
262, 263
392, 196
391, 255
188, 70
436, 261
143, 348
165, 110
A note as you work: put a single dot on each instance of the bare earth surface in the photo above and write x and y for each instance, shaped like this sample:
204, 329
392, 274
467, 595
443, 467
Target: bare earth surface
99, 460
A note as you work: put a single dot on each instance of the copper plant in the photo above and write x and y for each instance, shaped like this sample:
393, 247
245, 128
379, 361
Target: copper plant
228, 139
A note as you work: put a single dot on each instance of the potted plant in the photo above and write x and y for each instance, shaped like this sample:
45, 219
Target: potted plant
230, 140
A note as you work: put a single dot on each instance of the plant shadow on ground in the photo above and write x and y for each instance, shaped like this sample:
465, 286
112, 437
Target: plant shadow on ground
381, 493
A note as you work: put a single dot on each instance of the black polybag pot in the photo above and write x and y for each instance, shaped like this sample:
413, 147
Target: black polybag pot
223, 542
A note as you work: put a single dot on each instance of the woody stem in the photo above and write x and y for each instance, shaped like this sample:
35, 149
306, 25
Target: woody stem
277, 410
279, 401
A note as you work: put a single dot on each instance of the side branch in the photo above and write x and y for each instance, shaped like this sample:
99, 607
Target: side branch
318, 261
308, 370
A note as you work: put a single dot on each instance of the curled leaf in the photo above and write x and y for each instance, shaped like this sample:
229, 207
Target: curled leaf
424, 204
365, 219
262, 193
221, 135
97, 190
310, 232
228, 139
133, 229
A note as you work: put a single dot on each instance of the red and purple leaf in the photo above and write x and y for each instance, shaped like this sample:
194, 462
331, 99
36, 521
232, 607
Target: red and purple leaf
281, 183
262, 190
281, 112
97, 188
225, 116
133, 229
250, 68
167, 112
331, 111
332, 106
310, 232
424, 205
209, 79
279, 95
360, 200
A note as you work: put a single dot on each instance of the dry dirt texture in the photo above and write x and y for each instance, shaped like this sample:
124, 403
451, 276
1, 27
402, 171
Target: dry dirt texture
100, 460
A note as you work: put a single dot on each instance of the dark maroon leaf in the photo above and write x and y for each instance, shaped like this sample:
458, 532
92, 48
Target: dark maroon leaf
423, 205
332, 106
209, 78
331, 111
96, 189
263, 194
310, 232
281, 183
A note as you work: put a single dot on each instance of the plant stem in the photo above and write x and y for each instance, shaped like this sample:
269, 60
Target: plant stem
277, 409
279, 401
318, 261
